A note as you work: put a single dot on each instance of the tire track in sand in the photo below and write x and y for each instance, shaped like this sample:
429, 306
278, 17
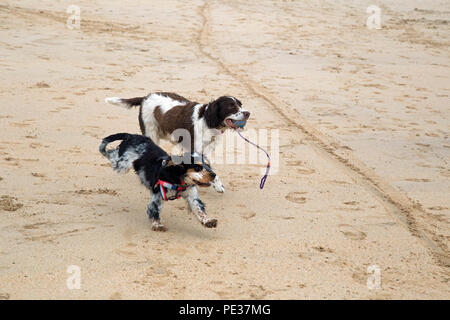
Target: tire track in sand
394, 201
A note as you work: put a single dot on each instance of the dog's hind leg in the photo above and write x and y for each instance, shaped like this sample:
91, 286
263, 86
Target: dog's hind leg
196, 206
153, 212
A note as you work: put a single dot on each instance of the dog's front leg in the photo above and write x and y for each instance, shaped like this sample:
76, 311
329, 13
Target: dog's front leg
153, 211
207, 146
217, 185
197, 206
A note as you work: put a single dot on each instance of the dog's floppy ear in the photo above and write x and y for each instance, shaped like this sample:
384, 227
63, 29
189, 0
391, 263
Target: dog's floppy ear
212, 114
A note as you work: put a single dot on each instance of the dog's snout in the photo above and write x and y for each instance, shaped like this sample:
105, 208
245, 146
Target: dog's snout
246, 114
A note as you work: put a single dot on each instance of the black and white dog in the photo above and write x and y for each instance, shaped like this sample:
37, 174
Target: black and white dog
162, 114
167, 177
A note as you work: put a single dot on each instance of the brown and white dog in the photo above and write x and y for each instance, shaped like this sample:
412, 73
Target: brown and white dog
161, 114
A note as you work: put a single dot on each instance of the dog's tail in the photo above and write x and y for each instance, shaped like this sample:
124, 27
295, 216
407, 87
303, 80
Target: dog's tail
126, 103
108, 140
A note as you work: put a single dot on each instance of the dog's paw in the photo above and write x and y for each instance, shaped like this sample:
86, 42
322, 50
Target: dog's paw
218, 186
158, 227
210, 223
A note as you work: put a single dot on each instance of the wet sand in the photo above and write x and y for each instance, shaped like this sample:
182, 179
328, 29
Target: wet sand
364, 147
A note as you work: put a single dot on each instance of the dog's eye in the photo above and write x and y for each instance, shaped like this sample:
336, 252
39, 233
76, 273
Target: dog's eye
198, 168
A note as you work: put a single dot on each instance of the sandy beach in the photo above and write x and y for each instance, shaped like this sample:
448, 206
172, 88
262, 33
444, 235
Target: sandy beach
363, 181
